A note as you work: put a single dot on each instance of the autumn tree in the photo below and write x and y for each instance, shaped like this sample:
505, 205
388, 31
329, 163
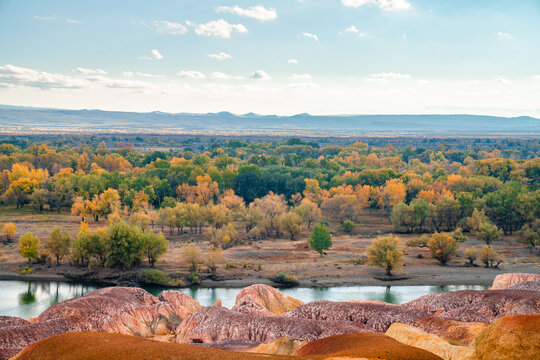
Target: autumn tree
191, 255
58, 244
530, 234
29, 245
218, 215
340, 207
393, 193
273, 206
9, 231
213, 259
442, 246
385, 252
320, 239
20, 191
290, 222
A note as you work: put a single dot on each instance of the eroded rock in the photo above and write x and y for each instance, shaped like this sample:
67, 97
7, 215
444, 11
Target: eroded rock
413, 336
264, 300
211, 324
505, 280
459, 331
282, 346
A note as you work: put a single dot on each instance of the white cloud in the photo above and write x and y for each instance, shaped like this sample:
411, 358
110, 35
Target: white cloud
301, 77
157, 54
504, 35
385, 76
56, 19
292, 61
86, 71
131, 74
222, 76
260, 75
169, 27
127, 73
307, 35
191, 74
351, 29
217, 28
536, 77
220, 56
503, 81
255, 12
386, 5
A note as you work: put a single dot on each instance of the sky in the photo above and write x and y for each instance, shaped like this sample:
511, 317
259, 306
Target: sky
273, 57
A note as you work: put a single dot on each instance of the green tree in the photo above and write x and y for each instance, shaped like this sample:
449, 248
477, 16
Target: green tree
124, 245
530, 234
385, 252
488, 232
320, 239
442, 246
29, 245
58, 244
154, 245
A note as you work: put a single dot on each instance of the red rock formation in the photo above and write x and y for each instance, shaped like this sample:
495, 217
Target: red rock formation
477, 306
365, 346
131, 311
211, 324
102, 346
505, 280
525, 285
375, 316
264, 300
510, 338
462, 332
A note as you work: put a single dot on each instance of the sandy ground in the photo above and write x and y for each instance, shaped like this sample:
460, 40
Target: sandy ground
261, 260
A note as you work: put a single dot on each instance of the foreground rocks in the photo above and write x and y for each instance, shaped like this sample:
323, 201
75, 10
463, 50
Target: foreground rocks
505, 280
130, 311
458, 331
213, 323
510, 338
102, 346
264, 300
413, 336
364, 346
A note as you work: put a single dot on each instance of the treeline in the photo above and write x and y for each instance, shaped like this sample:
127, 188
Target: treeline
277, 188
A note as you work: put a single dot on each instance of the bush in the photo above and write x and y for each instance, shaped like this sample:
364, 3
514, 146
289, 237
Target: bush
348, 226
191, 255
471, 254
194, 279
458, 235
490, 257
154, 277
286, 280
442, 246
384, 252
421, 241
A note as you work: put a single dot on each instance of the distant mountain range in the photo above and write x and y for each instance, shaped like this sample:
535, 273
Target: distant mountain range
22, 120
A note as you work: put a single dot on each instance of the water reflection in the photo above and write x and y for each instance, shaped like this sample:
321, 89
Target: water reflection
29, 298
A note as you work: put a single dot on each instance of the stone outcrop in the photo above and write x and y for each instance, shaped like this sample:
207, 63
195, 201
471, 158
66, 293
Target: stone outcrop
264, 300
282, 346
477, 306
103, 346
374, 316
505, 280
525, 285
131, 311
510, 338
211, 324
363, 346
413, 336
458, 331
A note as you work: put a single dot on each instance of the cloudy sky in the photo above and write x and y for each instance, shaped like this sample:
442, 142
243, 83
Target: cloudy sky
273, 57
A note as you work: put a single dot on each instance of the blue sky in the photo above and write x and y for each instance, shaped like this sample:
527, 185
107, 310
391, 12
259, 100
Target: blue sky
284, 57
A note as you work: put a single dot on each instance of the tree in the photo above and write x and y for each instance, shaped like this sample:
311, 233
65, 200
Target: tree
488, 232
290, 222
471, 254
340, 207
29, 245
272, 205
448, 212
309, 211
140, 219
393, 193
124, 245
58, 244
490, 257
530, 234
442, 246
385, 252
213, 259
320, 239
9, 231
154, 245
218, 215
191, 255
20, 191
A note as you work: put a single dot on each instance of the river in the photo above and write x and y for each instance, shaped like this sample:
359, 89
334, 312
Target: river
29, 298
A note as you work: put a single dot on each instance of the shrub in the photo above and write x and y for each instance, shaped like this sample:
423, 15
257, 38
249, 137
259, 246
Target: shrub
287, 280
421, 241
458, 235
320, 239
490, 257
384, 252
154, 277
191, 255
348, 226
442, 246
213, 259
471, 254
194, 279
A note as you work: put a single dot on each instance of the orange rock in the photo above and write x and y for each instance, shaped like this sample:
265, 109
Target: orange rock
505, 280
514, 337
103, 346
363, 345
282, 346
264, 300
459, 331
413, 336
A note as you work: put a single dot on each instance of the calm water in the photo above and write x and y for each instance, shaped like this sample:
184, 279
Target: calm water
29, 298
